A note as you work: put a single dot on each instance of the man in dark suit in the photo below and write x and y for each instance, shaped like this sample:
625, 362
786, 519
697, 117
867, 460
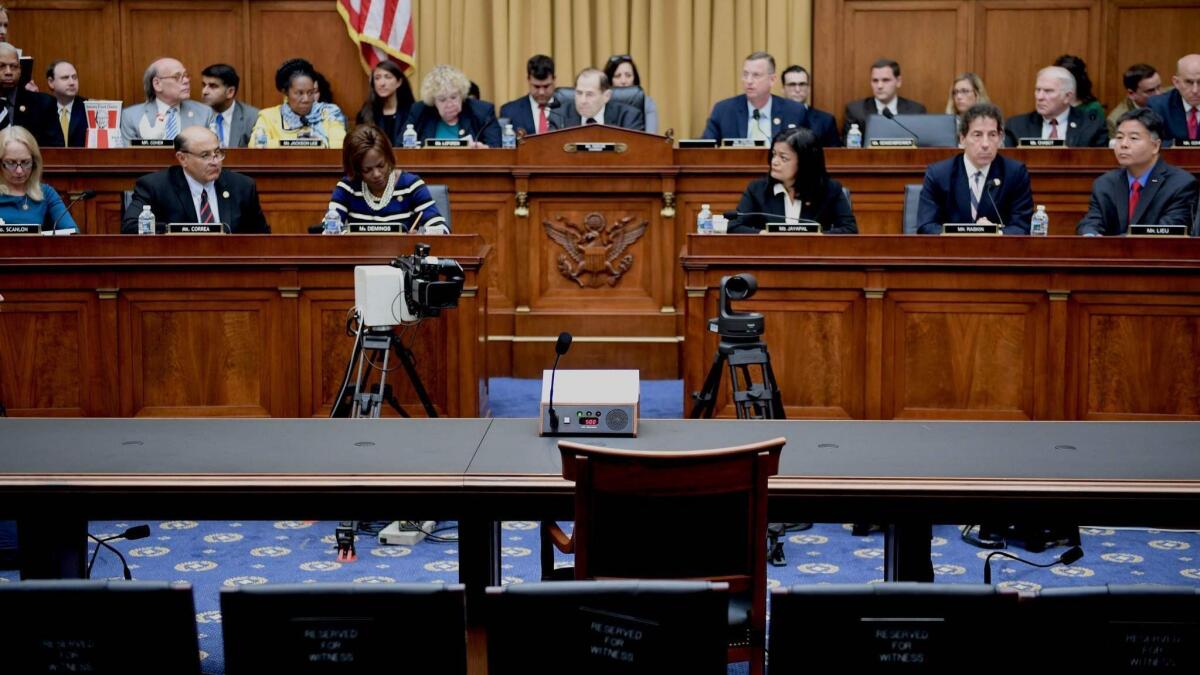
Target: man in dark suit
593, 105
759, 114
1145, 190
532, 112
198, 190
1180, 108
978, 185
63, 82
1055, 116
885, 83
20, 107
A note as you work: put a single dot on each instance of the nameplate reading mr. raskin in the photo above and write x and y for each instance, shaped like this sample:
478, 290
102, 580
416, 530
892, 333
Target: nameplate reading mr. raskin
968, 229
195, 228
375, 228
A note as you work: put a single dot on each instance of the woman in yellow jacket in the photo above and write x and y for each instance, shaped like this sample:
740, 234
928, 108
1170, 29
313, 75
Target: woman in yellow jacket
301, 115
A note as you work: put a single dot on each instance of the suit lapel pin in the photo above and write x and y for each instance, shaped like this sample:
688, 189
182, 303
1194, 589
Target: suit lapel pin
1073, 125
191, 114
225, 194
22, 108
775, 121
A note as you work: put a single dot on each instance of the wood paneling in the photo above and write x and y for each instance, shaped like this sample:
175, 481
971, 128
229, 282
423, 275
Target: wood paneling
216, 326
1157, 32
40, 28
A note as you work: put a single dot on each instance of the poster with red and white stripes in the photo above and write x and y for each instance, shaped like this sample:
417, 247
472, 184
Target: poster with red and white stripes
382, 29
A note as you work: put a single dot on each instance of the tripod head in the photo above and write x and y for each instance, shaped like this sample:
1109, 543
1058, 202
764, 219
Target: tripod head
734, 325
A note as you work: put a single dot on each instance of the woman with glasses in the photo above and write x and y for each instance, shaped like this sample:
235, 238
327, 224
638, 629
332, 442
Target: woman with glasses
966, 91
388, 103
24, 198
445, 111
796, 189
301, 115
622, 72
375, 191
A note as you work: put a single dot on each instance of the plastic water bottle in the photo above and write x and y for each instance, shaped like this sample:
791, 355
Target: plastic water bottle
1040, 225
332, 223
409, 140
260, 141
508, 140
854, 137
704, 223
146, 224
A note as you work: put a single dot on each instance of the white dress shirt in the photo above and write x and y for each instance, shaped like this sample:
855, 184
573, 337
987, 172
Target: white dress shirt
791, 207
1062, 124
976, 189
764, 121
894, 106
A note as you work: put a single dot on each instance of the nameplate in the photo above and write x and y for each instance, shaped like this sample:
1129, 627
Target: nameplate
697, 143
21, 228
743, 143
793, 228
892, 143
1158, 230
301, 143
595, 147
447, 143
196, 228
1187, 144
1041, 142
970, 229
375, 228
150, 143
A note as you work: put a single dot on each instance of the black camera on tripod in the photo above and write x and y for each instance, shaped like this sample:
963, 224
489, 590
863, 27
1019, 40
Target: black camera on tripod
428, 284
733, 324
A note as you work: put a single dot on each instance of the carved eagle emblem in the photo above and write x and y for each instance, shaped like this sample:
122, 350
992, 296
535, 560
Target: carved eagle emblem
595, 249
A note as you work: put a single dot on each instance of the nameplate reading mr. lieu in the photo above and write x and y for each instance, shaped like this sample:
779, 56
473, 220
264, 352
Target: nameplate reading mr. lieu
375, 228
195, 228
1158, 230
970, 229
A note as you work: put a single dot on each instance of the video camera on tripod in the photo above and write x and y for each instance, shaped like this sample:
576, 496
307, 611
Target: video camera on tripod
406, 290
735, 325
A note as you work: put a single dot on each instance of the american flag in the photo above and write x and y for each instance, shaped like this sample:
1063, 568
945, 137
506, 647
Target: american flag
382, 29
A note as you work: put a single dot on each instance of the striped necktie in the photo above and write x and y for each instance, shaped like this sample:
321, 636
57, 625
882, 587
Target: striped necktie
977, 180
206, 214
172, 125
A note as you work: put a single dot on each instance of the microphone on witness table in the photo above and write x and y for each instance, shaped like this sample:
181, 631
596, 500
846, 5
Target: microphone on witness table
560, 348
82, 196
888, 114
1071, 555
135, 532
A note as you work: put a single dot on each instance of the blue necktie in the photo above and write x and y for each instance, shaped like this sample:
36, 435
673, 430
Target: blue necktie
172, 125
221, 129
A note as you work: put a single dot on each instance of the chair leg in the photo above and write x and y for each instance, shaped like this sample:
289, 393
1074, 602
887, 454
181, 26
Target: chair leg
546, 555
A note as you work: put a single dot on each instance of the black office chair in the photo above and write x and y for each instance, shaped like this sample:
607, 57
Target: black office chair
565, 96
846, 191
126, 200
1117, 628
98, 627
889, 627
630, 96
625, 627
344, 628
912, 199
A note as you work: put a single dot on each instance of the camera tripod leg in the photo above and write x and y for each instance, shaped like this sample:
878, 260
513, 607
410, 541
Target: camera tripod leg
406, 359
706, 398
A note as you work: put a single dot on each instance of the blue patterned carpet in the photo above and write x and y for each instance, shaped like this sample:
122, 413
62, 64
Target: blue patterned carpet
215, 554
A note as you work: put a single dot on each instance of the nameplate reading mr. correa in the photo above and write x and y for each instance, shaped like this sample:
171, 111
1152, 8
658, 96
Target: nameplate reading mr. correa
447, 143
20, 228
149, 142
743, 143
375, 228
301, 143
970, 229
892, 143
793, 228
195, 228
1158, 230
594, 147
1041, 142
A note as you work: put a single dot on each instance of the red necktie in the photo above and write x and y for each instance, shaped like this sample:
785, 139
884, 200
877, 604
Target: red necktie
1135, 193
206, 214
543, 123
1193, 127
1054, 128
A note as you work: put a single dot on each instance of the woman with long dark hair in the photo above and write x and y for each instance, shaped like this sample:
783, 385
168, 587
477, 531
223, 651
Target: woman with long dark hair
388, 103
797, 188
623, 72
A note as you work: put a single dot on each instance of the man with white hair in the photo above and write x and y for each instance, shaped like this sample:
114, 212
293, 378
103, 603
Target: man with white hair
1180, 109
1055, 116
168, 108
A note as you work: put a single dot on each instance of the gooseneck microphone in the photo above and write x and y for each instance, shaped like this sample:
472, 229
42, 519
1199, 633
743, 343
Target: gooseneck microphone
82, 196
1071, 555
135, 532
887, 112
560, 348
995, 182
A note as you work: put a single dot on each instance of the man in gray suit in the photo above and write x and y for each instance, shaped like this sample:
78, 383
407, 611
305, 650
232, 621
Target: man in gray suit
233, 120
168, 107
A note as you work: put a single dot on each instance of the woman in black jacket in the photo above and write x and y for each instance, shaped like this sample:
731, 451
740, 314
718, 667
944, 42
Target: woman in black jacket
797, 188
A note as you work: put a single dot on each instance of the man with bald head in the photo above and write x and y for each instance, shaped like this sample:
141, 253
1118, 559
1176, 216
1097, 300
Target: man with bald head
1056, 117
1180, 108
197, 190
24, 108
168, 108
594, 105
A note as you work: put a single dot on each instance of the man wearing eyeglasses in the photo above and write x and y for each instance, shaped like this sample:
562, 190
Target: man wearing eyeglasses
168, 108
198, 190
21, 107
